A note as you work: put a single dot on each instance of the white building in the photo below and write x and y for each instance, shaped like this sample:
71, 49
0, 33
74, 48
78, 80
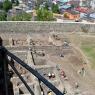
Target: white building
85, 3
92, 4
3, 0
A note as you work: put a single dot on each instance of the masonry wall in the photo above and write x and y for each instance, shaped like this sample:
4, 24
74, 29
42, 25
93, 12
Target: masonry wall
20, 30
45, 27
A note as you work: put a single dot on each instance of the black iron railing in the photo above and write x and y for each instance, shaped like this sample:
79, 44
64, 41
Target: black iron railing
30, 69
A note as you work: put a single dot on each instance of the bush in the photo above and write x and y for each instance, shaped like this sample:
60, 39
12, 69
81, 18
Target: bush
55, 8
22, 17
65, 15
3, 16
1, 5
7, 5
15, 2
44, 15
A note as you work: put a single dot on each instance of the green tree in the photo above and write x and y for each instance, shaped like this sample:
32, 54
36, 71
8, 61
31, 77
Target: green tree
55, 8
21, 17
7, 5
46, 6
44, 15
3, 16
65, 15
72, 5
13, 1
1, 5
39, 2
16, 2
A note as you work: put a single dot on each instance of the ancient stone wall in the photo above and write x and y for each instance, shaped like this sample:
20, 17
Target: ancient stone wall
16, 33
27, 27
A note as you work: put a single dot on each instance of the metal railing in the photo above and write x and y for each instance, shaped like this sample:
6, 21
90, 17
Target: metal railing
30, 69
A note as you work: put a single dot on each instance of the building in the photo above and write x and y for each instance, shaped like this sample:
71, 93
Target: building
72, 15
64, 8
85, 3
75, 3
82, 10
13, 12
64, 0
3, 0
90, 17
92, 4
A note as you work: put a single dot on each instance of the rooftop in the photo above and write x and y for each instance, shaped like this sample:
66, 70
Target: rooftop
82, 9
73, 12
65, 6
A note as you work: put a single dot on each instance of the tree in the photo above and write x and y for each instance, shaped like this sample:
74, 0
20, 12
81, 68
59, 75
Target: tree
16, 2
44, 15
39, 2
46, 6
3, 16
13, 1
55, 8
1, 5
66, 15
21, 17
7, 5
72, 5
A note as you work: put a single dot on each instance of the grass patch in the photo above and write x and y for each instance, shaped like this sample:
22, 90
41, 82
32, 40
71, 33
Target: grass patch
89, 51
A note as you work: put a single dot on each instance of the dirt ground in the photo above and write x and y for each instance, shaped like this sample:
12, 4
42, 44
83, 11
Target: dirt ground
71, 60
71, 64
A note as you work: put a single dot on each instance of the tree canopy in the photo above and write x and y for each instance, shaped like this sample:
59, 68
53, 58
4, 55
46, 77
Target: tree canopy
1, 5
15, 2
44, 15
55, 8
7, 5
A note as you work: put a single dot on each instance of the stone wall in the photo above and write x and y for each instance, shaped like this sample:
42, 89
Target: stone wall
19, 31
45, 27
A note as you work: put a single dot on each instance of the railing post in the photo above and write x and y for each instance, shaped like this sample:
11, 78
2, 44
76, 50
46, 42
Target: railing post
1, 41
4, 80
2, 77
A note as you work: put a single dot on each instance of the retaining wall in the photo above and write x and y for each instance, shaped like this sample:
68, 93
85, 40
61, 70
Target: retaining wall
45, 27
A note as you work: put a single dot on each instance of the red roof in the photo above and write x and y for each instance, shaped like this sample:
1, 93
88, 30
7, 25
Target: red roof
82, 9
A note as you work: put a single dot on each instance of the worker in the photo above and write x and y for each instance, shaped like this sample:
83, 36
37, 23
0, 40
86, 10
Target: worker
82, 71
63, 74
53, 75
76, 85
50, 93
64, 91
57, 67
49, 75
42, 93
61, 55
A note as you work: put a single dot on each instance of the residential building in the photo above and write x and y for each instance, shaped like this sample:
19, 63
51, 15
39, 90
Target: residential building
72, 15
89, 17
84, 3
92, 4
